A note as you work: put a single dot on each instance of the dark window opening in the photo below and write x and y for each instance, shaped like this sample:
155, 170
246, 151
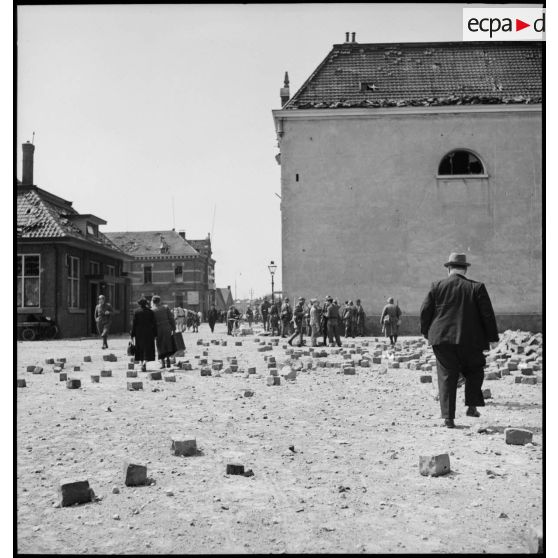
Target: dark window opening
147, 274
460, 162
179, 300
296, 177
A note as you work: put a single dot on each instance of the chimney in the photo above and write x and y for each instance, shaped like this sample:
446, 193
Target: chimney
27, 164
182, 234
284, 92
347, 37
353, 37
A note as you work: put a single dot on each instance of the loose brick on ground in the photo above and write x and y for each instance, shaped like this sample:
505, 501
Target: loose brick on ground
74, 492
434, 465
135, 475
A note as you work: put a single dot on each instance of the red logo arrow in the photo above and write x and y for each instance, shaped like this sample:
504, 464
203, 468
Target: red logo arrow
519, 25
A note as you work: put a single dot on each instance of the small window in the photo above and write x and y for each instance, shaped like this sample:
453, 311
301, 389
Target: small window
179, 300
110, 270
460, 162
92, 229
147, 274
178, 276
94, 268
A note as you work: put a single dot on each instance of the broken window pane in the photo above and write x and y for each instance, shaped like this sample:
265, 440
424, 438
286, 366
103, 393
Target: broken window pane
460, 162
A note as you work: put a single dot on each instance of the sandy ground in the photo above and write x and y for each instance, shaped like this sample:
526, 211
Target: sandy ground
352, 483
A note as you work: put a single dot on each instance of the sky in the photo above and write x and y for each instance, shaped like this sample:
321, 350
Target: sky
155, 117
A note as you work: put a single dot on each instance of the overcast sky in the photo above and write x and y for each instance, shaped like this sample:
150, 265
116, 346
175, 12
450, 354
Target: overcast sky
136, 106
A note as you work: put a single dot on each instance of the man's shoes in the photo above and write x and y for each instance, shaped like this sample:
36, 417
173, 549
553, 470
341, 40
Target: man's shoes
143, 368
449, 423
472, 412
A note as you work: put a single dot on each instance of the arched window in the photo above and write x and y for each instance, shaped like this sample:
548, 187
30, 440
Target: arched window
460, 162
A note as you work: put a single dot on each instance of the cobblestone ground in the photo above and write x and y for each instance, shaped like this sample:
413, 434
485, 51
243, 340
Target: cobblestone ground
352, 483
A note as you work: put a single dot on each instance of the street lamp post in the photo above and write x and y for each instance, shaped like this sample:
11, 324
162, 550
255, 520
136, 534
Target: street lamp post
272, 268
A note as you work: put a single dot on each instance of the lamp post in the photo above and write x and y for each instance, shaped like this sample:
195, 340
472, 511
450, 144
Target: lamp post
272, 268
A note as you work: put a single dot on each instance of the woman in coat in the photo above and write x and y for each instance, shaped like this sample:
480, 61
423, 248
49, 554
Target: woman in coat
389, 321
144, 331
165, 328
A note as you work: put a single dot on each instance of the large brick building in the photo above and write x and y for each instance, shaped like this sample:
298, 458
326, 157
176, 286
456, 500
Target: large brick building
180, 271
64, 262
394, 155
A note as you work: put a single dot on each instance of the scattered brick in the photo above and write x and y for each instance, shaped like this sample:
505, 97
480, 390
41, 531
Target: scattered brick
526, 370
273, 381
135, 475
252, 370
238, 343
61, 359
154, 375
74, 492
63, 376
532, 380
106, 373
235, 469
38, 370
184, 447
518, 436
21, 382
247, 393
95, 378
349, 370
487, 394
134, 386
73, 383
87, 358
49, 361
377, 360
131, 374
130, 366
205, 371
426, 379
434, 465
491, 376
77, 369
518, 380
170, 378
31, 368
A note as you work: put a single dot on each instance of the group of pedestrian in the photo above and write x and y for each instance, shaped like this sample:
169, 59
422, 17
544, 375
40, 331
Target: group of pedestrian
456, 317
150, 327
186, 319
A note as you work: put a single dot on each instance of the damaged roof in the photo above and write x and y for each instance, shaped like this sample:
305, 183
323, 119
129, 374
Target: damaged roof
424, 74
148, 243
42, 215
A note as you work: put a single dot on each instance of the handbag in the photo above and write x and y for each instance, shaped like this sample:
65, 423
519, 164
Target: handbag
131, 351
178, 341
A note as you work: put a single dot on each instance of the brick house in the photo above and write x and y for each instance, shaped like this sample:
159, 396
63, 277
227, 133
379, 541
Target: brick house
180, 271
63, 261
407, 152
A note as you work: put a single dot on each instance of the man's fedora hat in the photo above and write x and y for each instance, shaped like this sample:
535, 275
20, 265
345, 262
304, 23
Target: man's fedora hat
459, 260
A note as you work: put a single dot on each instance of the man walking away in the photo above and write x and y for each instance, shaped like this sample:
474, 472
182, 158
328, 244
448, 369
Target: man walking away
212, 316
360, 317
333, 319
458, 320
298, 317
103, 319
274, 319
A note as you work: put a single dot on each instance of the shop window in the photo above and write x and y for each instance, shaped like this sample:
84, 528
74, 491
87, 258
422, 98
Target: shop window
147, 275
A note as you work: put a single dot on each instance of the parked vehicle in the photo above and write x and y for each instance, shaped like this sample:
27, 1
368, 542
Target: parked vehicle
37, 327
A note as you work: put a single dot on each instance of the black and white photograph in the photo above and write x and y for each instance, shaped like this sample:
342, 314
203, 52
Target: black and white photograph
279, 278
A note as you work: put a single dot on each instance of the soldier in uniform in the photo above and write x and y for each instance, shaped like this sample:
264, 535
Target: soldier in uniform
328, 301
360, 317
264, 311
286, 317
274, 318
298, 318
333, 319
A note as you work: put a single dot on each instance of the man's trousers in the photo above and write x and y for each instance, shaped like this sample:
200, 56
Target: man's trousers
450, 361
333, 331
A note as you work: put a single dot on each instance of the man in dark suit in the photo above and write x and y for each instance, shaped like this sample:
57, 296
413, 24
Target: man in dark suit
458, 320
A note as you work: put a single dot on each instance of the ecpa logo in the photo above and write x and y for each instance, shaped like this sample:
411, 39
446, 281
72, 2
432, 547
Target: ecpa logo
503, 24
